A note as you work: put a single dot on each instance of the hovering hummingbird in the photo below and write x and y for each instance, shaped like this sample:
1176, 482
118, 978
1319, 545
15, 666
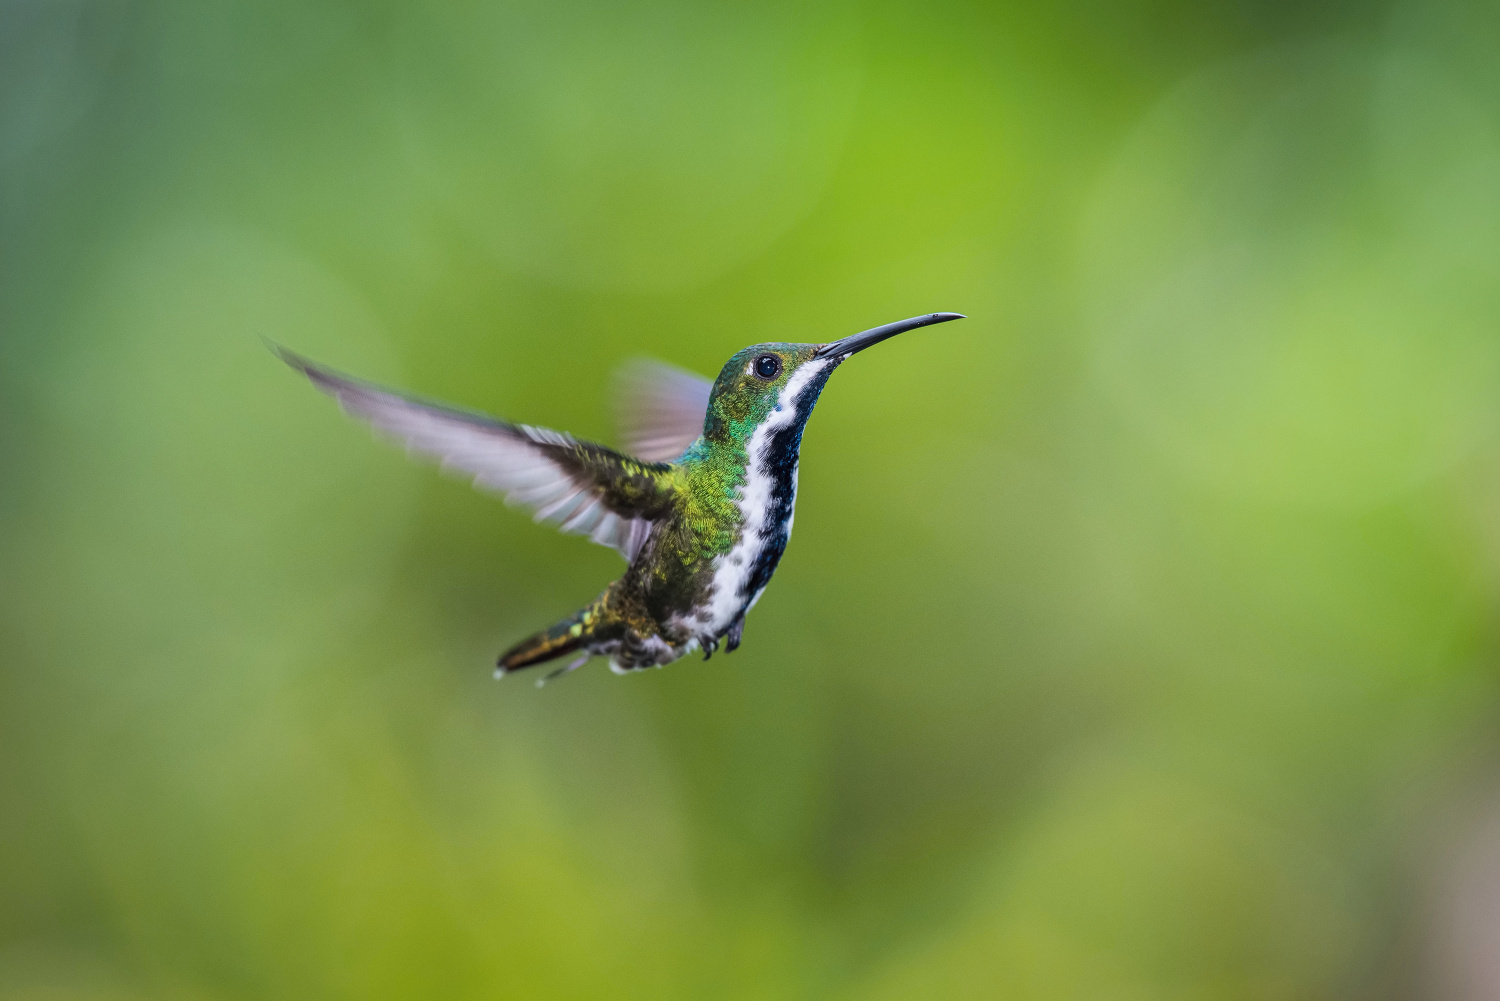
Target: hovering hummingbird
700, 507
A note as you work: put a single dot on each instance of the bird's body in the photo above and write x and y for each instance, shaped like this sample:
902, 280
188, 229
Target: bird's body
711, 552
702, 510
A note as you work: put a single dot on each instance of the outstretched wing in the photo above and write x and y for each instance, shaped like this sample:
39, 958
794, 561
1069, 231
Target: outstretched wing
660, 409
586, 489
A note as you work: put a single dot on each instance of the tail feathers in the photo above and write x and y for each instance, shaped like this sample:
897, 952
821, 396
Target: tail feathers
568, 635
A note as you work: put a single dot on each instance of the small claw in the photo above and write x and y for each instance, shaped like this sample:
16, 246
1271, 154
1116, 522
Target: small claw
577, 662
735, 632
709, 648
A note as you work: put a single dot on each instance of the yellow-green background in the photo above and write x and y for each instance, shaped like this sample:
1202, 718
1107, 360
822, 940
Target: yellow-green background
1139, 635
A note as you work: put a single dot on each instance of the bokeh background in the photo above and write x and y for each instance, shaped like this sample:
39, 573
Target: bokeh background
1139, 637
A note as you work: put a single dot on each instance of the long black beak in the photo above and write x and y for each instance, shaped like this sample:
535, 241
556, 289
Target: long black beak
846, 346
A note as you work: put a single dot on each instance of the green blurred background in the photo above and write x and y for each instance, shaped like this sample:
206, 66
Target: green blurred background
1139, 635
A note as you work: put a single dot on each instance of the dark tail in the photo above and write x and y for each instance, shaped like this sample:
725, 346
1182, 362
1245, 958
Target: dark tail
570, 634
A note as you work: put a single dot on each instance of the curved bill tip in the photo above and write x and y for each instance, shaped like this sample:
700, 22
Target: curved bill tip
847, 346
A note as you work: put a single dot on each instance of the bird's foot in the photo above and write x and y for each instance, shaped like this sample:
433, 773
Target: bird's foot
735, 632
709, 647
577, 662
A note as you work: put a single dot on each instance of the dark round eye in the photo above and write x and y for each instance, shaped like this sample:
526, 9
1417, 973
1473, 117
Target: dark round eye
768, 366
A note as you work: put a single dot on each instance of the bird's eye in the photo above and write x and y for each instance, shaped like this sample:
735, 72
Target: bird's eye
768, 366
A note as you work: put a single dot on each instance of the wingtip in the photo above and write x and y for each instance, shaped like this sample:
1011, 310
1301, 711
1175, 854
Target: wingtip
325, 379
287, 355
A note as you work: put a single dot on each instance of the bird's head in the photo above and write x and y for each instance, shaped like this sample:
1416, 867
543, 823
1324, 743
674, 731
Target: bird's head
785, 379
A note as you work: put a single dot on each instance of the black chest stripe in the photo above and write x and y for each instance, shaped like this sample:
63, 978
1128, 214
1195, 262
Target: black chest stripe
779, 461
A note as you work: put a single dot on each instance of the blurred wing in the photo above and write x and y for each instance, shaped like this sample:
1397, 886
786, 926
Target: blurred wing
585, 489
660, 409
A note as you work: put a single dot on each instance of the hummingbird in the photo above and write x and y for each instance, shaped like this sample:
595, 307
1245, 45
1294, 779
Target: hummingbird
699, 503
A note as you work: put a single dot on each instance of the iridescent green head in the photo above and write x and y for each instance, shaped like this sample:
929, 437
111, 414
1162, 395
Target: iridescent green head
785, 379
751, 384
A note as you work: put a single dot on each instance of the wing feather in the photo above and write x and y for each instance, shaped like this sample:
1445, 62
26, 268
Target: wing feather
660, 408
585, 489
